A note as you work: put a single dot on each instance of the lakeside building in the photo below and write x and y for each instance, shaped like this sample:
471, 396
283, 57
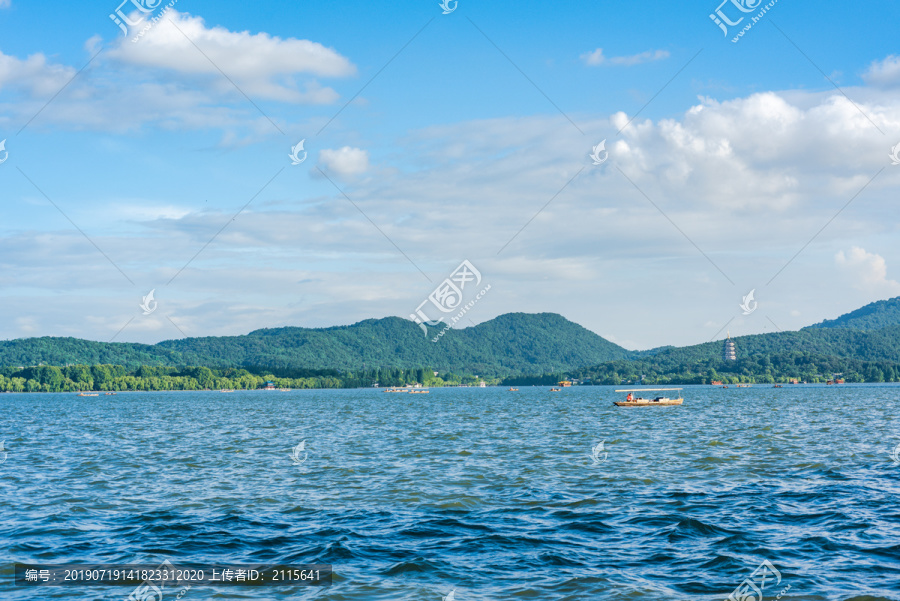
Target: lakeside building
729, 353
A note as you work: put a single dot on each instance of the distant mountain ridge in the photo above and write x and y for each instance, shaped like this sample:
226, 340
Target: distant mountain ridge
514, 343
510, 343
874, 316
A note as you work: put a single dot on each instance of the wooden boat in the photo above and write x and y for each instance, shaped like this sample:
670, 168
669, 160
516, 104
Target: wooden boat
659, 401
778, 386
555, 389
394, 390
513, 390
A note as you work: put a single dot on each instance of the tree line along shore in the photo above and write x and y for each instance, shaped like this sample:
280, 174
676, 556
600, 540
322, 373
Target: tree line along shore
790, 368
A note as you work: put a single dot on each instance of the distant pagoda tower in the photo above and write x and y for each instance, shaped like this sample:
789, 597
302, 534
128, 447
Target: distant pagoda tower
728, 351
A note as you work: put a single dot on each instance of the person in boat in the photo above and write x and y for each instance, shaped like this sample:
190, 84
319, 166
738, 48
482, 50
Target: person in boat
630, 397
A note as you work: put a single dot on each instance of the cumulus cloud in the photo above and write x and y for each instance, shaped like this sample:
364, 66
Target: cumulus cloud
598, 58
867, 272
33, 75
884, 73
260, 65
764, 151
747, 180
345, 161
165, 81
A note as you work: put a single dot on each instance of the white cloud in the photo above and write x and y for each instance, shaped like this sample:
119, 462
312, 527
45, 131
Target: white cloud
766, 151
885, 73
598, 58
345, 161
33, 75
749, 180
867, 272
165, 81
26, 325
262, 66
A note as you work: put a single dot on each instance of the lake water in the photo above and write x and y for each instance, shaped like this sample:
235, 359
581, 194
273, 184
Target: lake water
488, 493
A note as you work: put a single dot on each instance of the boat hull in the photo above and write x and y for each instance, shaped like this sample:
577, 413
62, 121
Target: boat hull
648, 403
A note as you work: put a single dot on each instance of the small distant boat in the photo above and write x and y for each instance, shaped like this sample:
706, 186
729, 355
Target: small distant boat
716, 382
743, 385
555, 389
394, 390
227, 390
660, 401
110, 394
88, 394
565, 383
778, 386
282, 389
513, 390
419, 391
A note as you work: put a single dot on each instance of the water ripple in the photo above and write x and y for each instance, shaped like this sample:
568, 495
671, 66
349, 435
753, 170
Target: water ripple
492, 494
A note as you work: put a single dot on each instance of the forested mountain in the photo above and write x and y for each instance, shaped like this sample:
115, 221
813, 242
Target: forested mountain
512, 343
861, 346
874, 316
813, 355
864, 344
879, 345
61, 351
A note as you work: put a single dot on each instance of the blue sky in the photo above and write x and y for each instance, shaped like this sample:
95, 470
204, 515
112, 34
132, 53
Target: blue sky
167, 160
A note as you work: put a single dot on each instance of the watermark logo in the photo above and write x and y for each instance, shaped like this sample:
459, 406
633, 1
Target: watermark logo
451, 596
595, 154
295, 153
751, 588
749, 305
4, 454
739, 9
140, 10
295, 453
148, 303
448, 297
895, 454
895, 154
148, 591
446, 5
142, 6
4, 151
596, 451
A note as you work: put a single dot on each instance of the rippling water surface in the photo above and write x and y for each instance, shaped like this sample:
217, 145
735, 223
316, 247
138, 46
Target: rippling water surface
490, 493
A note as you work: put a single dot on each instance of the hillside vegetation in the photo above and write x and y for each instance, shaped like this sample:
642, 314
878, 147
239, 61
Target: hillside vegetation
508, 344
543, 348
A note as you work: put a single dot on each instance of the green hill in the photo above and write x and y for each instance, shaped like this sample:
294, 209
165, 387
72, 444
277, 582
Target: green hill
874, 316
511, 343
813, 354
865, 344
879, 345
62, 351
